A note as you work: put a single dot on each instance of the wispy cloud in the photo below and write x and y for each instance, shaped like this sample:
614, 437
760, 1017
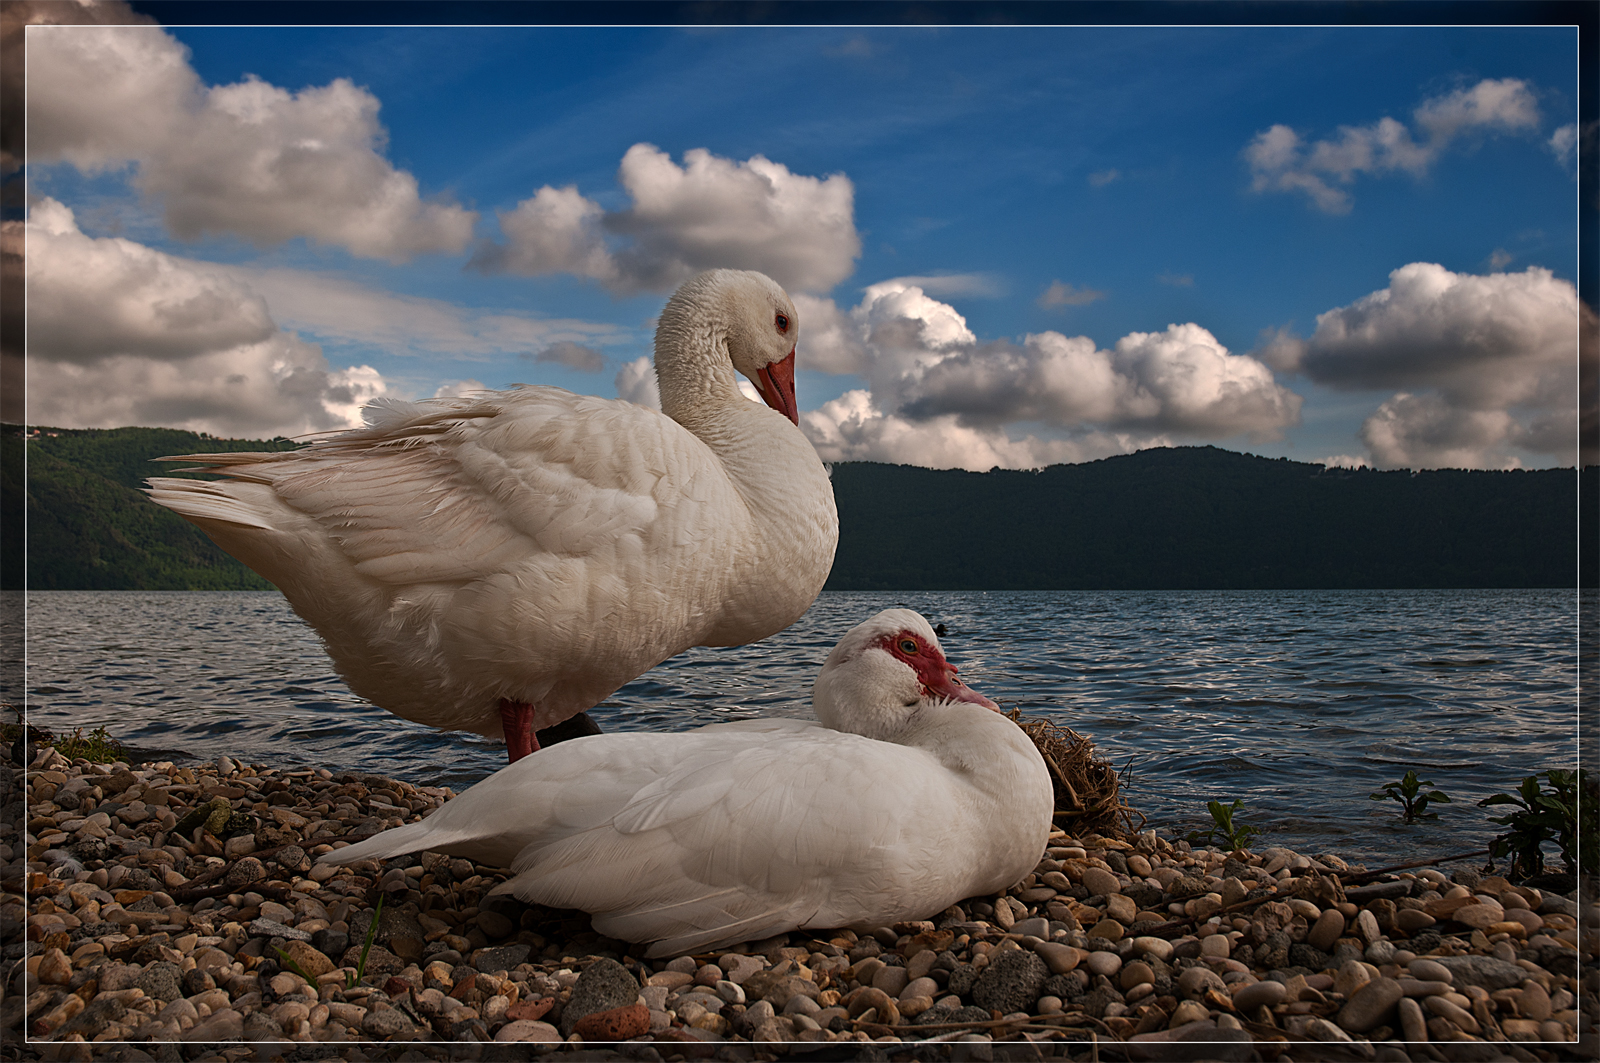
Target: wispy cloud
1102, 178
1060, 294
338, 309
850, 48
572, 355
1177, 280
1281, 162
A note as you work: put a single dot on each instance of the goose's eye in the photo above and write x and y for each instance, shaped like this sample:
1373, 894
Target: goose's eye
782, 321
908, 646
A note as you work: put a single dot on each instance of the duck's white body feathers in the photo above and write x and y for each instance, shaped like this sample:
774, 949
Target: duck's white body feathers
531, 544
738, 831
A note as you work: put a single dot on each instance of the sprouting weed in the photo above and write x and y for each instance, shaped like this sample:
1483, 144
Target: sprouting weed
1408, 791
1232, 835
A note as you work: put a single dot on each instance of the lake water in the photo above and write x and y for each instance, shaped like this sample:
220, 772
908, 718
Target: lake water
1298, 702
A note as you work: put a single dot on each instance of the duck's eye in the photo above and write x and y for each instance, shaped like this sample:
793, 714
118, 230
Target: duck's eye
782, 321
908, 646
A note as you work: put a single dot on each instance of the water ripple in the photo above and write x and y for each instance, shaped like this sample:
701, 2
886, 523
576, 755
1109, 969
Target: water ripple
1298, 702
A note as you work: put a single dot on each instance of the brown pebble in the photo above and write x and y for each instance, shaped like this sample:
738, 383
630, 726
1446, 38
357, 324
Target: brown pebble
1136, 973
618, 1024
530, 1009
308, 959
1328, 929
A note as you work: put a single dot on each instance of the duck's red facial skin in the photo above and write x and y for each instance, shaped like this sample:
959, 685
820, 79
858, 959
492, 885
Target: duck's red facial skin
936, 675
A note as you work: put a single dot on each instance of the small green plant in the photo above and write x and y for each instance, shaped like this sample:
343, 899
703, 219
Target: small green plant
1408, 791
1223, 828
351, 980
1545, 815
97, 748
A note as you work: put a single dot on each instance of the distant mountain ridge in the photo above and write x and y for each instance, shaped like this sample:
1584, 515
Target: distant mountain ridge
1201, 517
1174, 518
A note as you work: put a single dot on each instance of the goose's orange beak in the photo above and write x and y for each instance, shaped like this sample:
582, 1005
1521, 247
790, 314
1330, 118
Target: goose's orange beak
776, 383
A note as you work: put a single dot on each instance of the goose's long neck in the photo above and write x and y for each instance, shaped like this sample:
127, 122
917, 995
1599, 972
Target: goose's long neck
693, 370
792, 525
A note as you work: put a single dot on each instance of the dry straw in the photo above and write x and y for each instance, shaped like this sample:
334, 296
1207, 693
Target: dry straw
1088, 792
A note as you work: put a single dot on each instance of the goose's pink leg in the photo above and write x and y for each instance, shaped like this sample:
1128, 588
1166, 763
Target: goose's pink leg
516, 717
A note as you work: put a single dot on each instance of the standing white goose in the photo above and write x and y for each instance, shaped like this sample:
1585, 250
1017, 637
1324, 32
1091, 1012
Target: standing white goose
909, 795
502, 562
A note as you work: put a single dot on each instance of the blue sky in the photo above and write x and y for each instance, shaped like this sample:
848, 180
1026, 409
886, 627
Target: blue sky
1010, 246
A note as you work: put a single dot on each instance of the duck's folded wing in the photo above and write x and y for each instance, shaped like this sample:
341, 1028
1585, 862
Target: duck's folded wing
455, 490
740, 842
558, 792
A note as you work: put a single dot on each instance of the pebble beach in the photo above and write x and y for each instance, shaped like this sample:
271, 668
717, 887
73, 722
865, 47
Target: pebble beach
174, 911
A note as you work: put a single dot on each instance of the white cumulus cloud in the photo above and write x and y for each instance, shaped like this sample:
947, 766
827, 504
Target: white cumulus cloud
636, 382
937, 395
1483, 364
710, 212
249, 159
1280, 161
120, 334
853, 428
451, 389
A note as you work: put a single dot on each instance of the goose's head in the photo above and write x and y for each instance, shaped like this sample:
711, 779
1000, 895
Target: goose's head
745, 312
883, 673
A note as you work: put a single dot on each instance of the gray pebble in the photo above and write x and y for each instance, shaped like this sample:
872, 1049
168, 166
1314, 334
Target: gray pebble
1426, 970
1037, 926
1380, 952
1485, 971
503, 958
268, 928
1011, 982
384, 1023
603, 985
494, 925
1259, 993
1371, 1005
161, 981
1194, 981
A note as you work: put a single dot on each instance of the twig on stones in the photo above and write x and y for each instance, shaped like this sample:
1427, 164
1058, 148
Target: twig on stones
1363, 876
199, 886
1172, 926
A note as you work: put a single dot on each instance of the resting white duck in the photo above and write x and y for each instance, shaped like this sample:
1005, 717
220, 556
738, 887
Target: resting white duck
909, 793
503, 562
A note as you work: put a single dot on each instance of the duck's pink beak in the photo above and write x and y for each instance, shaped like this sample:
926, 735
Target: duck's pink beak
944, 685
776, 382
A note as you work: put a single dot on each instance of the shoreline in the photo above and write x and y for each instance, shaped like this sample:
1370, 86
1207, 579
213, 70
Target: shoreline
139, 936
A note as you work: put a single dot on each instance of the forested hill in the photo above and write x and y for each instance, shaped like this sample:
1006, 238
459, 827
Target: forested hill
89, 525
1186, 517
1200, 517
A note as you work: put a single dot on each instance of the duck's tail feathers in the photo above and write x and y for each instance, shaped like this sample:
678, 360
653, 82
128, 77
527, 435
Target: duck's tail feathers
396, 841
204, 500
